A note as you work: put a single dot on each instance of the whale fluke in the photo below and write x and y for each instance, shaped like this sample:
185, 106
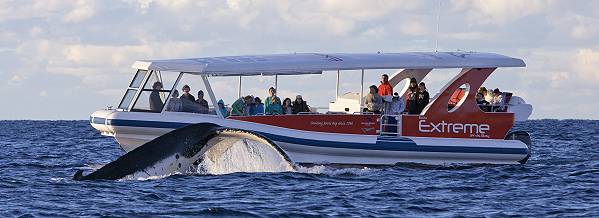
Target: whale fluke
178, 151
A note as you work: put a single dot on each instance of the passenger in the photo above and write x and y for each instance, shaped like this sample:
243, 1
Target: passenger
174, 104
423, 97
222, 108
482, 103
373, 101
412, 102
497, 101
272, 104
239, 107
287, 108
203, 103
186, 94
155, 100
385, 88
486, 95
299, 105
497, 97
396, 107
257, 108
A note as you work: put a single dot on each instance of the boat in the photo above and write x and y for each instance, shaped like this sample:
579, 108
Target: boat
443, 133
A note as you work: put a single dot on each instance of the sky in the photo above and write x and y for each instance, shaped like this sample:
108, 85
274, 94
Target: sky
66, 59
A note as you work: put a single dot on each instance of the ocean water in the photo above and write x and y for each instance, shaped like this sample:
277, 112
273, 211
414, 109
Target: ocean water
38, 159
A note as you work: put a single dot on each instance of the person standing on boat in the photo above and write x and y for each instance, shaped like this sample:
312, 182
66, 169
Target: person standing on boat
222, 108
373, 101
299, 105
396, 107
155, 100
202, 102
423, 97
385, 88
239, 107
186, 94
272, 104
412, 103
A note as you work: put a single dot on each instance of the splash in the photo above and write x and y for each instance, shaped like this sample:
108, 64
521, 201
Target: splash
231, 155
335, 171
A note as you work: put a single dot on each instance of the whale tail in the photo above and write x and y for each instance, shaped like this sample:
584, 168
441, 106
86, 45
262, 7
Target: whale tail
202, 145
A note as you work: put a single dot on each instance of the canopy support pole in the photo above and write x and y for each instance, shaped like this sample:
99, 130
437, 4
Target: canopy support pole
239, 90
362, 91
276, 82
212, 97
337, 87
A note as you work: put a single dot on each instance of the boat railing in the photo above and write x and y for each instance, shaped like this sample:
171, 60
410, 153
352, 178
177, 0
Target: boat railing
390, 125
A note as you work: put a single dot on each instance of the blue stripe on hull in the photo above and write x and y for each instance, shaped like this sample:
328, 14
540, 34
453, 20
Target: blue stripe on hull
383, 143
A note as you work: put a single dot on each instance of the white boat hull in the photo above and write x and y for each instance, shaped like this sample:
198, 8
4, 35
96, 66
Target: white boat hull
132, 129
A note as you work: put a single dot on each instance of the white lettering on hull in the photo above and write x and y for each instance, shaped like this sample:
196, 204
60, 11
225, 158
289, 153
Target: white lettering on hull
473, 129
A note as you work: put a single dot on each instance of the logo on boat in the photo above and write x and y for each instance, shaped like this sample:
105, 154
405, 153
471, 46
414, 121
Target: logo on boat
472, 129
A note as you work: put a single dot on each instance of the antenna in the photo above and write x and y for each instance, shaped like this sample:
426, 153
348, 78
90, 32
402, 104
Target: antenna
438, 20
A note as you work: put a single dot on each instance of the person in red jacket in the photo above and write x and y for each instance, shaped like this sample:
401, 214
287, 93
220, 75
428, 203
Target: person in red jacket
385, 88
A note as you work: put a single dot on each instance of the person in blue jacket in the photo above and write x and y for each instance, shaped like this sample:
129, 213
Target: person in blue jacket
257, 107
222, 108
272, 104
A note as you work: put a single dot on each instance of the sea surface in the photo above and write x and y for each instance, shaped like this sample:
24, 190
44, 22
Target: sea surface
38, 159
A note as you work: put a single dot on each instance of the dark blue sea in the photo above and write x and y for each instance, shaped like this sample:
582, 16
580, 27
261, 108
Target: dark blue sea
38, 159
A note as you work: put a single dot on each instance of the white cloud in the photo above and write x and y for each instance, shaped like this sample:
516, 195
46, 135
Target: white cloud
587, 64
414, 28
83, 10
585, 27
498, 11
470, 35
43, 93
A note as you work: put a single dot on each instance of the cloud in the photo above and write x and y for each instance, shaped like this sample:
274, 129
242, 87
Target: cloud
584, 27
82, 10
587, 64
470, 35
498, 12
414, 28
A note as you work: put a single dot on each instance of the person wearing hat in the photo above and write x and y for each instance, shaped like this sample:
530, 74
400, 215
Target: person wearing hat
222, 108
412, 101
497, 97
299, 105
423, 97
396, 107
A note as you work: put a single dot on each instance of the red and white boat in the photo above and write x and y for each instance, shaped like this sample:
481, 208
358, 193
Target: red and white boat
342, 135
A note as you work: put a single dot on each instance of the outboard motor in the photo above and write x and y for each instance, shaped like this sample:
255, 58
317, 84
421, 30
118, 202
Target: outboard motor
524, 137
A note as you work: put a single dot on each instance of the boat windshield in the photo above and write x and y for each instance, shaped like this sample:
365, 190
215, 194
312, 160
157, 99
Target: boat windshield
148, 91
